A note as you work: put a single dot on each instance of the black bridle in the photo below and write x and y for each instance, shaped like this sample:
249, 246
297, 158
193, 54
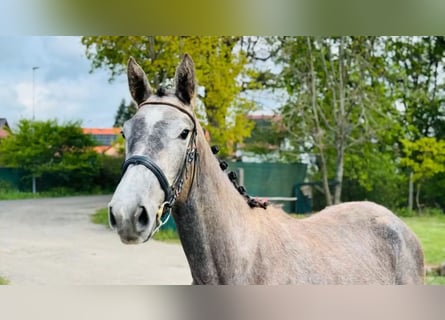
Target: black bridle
171, 192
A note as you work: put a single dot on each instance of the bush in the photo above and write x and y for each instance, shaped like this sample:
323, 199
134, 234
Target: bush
405, 212
6, 186
426, 212
109, 173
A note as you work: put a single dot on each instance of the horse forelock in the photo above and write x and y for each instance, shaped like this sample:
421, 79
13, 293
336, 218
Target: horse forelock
161, 92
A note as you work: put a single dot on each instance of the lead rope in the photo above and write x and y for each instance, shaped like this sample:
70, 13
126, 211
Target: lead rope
233, 177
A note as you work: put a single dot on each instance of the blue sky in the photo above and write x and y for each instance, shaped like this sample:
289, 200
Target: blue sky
64, 87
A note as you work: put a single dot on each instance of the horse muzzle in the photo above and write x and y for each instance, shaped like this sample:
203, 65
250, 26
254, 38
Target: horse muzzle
133, 225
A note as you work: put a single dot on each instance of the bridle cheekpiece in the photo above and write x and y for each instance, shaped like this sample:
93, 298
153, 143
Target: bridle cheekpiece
172, 191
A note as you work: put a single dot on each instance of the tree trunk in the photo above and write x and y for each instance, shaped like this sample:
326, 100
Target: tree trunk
339, 176
318, 137
324, 171
418, 197
341, 133
410, 191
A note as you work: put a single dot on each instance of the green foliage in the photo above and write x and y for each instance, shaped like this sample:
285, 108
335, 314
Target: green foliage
46, 148
220, 69
392, 90
337, 99
405, 212
425, 157
375, 103
414, 74
124, 113
266, 136
6, 186
3, 281
372, 173
109, 172
433, 190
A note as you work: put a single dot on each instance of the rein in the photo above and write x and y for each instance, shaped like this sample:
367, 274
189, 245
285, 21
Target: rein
172, 191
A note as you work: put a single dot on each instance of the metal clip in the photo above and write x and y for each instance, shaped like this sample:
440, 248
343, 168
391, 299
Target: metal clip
160, 214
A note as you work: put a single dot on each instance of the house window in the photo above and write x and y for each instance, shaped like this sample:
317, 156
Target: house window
105, 139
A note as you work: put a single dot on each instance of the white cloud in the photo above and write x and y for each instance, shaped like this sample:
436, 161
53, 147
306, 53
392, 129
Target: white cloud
64, 88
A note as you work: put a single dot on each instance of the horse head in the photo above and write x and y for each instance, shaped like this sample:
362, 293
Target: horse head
160, 146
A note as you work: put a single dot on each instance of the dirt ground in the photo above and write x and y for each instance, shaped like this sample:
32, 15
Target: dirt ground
53, 242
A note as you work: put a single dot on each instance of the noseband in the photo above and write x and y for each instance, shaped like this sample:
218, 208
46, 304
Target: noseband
171, 192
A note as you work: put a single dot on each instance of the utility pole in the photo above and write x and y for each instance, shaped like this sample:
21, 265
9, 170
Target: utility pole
33, 91
410, 191
34, 189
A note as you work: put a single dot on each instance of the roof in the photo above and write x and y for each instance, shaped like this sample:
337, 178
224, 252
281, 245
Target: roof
104, 131
264, 116
105, 147
3, 123
107, 150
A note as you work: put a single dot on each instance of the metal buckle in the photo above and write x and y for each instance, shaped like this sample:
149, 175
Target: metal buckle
160, 214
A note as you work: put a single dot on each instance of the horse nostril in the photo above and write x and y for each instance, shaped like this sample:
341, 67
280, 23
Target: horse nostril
111, 218
142, 219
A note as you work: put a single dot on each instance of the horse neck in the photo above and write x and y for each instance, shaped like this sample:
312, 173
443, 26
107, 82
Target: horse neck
213, 221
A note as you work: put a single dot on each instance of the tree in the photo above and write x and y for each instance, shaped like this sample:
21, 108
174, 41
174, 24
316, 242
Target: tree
45, 147
337, 100
425, 157
123, 113
416, 64
221, 68
267, 137
416, 80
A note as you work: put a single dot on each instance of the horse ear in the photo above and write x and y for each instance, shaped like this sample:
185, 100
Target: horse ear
137, 81
185, 80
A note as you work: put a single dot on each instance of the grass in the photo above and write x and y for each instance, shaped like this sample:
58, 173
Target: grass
435, 280
3, 281
100, 217
429, 229
15, 195
431, 232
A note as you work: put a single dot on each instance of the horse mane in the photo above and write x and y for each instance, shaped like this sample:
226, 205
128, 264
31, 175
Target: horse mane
233, 177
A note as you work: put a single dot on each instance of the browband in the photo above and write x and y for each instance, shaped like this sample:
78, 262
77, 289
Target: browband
182, 109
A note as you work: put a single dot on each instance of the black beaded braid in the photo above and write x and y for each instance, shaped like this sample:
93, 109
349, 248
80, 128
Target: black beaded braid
252, 202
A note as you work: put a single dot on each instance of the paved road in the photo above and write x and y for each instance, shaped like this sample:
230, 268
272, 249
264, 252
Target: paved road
53, 242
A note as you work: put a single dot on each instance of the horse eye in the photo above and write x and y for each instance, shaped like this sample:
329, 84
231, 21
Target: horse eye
122, 134
184, 134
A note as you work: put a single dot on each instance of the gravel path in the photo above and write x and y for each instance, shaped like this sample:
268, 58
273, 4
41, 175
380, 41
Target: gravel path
53, 242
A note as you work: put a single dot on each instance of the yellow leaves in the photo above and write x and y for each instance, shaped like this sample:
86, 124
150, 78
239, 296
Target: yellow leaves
219, 68
425, 157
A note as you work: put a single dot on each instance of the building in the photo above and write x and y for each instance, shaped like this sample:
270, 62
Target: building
4, 126
267, 140
105, 138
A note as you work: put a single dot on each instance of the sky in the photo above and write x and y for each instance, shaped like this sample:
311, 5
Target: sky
64, 88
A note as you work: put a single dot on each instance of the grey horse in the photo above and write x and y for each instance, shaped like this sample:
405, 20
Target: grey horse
170, 168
